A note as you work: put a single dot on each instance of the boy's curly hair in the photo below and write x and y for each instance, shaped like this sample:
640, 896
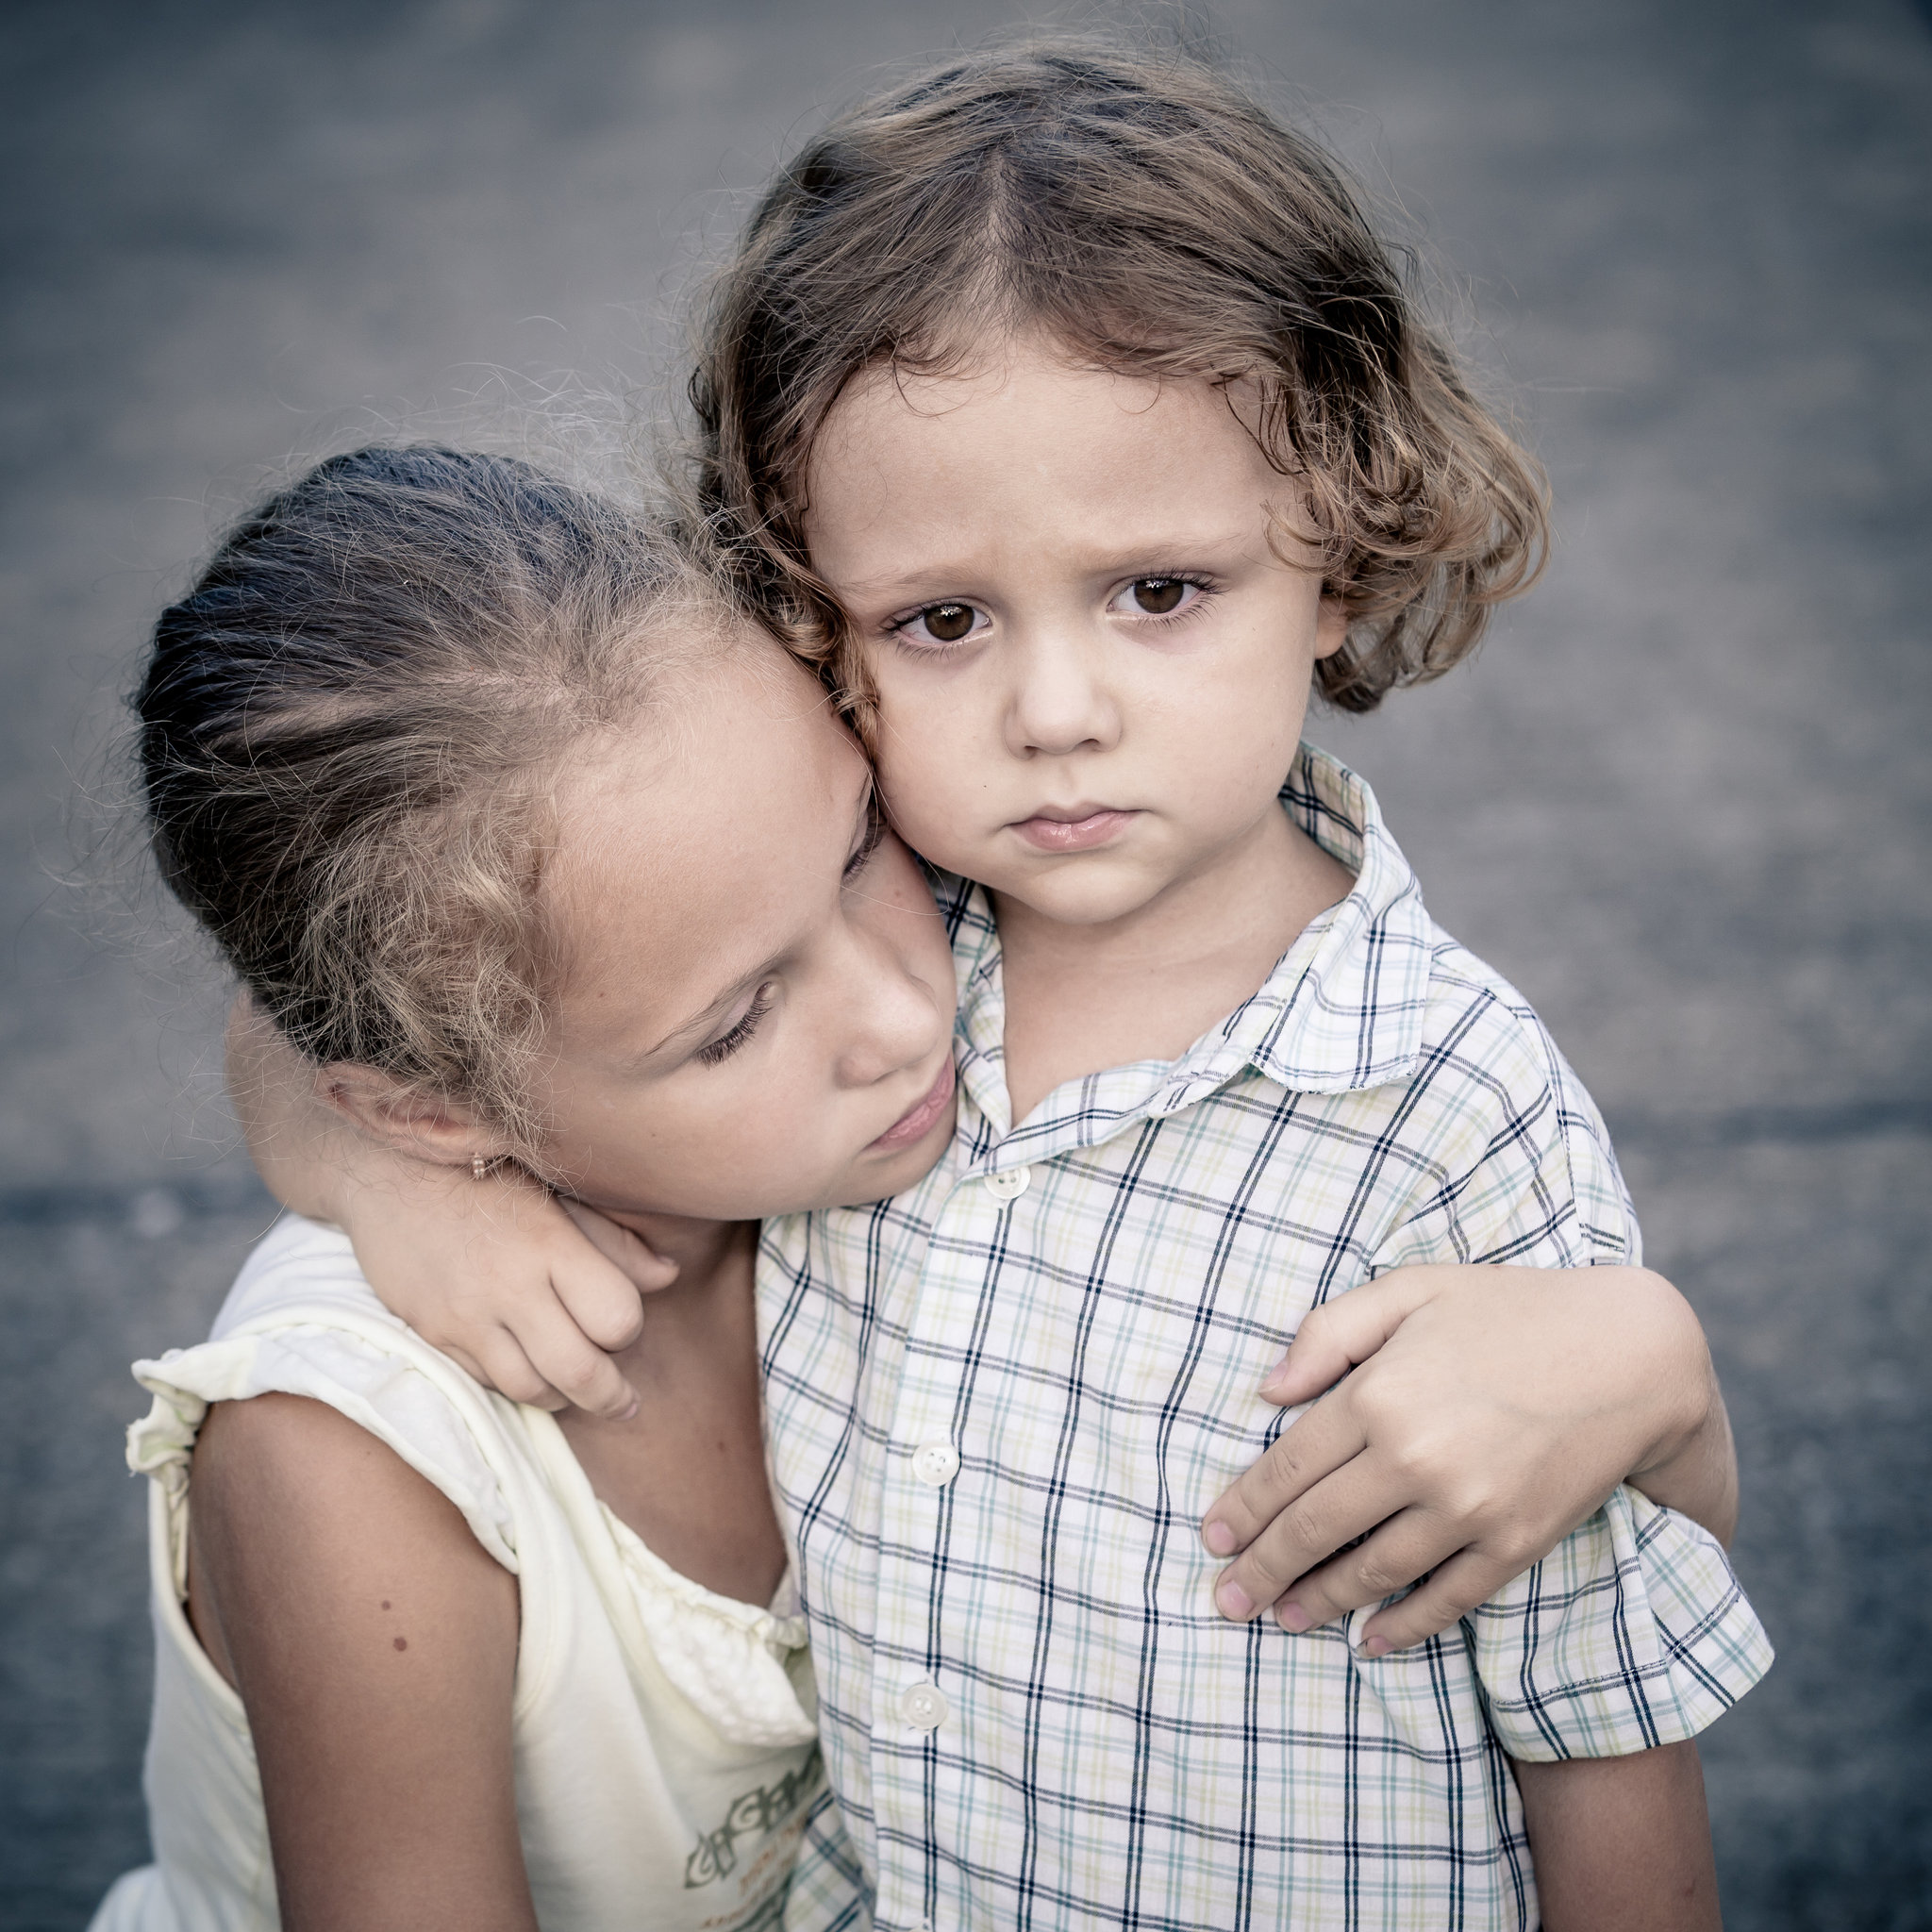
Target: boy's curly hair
1140, 208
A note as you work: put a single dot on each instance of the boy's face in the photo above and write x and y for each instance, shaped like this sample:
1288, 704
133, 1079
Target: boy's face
1091, 664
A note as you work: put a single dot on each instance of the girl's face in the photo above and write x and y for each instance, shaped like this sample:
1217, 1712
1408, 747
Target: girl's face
1091, 642
756, 1007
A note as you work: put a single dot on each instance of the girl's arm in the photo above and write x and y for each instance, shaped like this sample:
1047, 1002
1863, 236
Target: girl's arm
373, 1643
1485, 1413
525, 1293
1621, 1844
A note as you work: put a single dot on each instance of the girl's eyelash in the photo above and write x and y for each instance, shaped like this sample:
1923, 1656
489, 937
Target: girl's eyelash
726, 1045
875, 838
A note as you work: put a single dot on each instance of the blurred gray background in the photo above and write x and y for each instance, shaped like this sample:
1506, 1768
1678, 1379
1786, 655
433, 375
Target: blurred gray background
1682, 799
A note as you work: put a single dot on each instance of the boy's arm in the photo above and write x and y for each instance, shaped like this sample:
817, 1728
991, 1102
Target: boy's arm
1490, 1411
1621, 1844
374, 1644
522, 1292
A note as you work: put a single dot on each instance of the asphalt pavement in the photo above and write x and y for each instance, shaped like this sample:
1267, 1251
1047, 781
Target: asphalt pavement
1682, 799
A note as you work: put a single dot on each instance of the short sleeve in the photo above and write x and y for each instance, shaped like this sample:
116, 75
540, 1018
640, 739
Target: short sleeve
1522, 1164
1631, 1633
369, 1368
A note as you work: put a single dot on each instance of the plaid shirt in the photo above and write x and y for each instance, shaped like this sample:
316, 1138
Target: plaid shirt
999, 1404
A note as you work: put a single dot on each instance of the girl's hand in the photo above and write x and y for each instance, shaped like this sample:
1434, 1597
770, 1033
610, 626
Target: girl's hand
1490, 1411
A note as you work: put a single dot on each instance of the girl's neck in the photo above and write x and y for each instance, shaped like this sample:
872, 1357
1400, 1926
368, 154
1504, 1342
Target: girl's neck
687, 1471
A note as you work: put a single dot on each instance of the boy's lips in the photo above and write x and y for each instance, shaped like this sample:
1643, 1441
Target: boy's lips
1078, 830
914, 1126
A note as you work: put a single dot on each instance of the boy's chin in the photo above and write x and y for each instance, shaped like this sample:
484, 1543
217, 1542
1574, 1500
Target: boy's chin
1090, 889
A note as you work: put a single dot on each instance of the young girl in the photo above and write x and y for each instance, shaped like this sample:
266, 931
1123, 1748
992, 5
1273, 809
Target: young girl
1079, 418
505, 816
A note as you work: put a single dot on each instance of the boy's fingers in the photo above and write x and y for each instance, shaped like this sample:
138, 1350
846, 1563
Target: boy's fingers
574, 1367
1405, 1548
603, 1302
642, 1266
1314, 1447
1442, 1599
1337, 1510
500, 1363
1336, 1337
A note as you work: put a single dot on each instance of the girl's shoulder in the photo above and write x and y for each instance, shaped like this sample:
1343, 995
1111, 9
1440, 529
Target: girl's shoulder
298, 1264
301, 1320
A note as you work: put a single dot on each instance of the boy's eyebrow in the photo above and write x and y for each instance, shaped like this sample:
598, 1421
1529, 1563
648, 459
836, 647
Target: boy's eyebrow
1170, 551
707, 1014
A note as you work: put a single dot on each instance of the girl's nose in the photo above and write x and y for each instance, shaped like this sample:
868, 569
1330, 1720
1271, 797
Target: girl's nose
897, 1017
1059, 702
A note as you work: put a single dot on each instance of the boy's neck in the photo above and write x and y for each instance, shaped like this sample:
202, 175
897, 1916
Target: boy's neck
1080, 999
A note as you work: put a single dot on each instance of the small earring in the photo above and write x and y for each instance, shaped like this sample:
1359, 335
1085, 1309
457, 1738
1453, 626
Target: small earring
478, 1167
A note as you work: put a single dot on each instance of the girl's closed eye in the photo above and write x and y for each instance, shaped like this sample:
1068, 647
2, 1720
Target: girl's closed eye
1170, 594
741, 1031
870, 840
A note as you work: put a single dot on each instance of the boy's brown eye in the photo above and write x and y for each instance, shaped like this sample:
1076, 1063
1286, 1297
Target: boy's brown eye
1157, 596
948, 623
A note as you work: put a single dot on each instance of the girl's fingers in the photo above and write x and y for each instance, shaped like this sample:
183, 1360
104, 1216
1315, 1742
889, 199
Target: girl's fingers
1444, 1597
1311, 1448
1334, 1512
1336, 1337
1409, 1545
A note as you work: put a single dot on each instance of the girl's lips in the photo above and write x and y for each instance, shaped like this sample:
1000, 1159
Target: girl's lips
1073, 835
914, 1126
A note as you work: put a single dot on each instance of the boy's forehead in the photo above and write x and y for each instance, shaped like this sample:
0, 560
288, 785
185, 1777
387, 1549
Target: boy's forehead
919, 470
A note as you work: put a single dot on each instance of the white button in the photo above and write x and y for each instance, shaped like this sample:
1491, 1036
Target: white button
923, 1706
1005, 1187
936, 1463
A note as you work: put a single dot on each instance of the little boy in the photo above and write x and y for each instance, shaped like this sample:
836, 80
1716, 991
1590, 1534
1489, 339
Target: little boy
1077, 393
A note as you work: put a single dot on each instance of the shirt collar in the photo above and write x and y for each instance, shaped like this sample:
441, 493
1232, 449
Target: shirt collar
1342, 1009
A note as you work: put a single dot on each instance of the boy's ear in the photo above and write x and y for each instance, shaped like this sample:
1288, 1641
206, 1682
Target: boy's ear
1331, 627
397, 1116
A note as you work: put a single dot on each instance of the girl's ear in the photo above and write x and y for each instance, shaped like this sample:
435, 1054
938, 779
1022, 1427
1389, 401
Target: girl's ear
399, 1117
1331, 627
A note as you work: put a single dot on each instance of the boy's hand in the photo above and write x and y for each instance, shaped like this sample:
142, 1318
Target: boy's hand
1490, 1411
525, 1291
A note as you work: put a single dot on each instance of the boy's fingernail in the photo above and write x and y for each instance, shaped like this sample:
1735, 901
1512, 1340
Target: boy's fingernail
1376, 1646
1219, 1539
629, 1409
1234, 1602
1290, 1616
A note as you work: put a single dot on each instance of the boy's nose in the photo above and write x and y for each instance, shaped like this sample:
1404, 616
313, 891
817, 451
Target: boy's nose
1060, 702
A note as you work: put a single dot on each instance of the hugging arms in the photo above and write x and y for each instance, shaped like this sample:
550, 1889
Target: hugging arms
580, 939
1465, 1418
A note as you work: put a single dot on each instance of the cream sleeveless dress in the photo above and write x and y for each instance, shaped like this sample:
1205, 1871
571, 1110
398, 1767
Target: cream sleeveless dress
665, 1737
